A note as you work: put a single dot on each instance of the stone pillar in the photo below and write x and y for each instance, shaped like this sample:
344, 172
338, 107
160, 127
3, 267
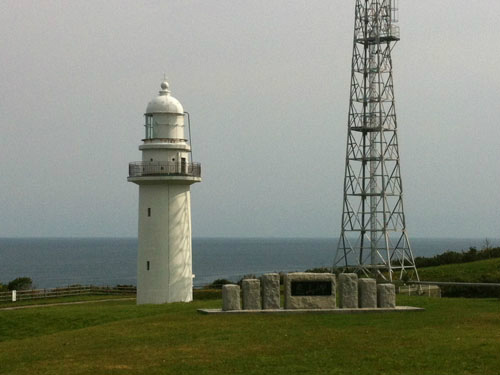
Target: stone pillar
367, 293
386, 295
270, 284
251, 294
348, 290
231, 297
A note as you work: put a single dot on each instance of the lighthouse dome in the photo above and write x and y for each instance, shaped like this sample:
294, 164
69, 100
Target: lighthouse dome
164, 102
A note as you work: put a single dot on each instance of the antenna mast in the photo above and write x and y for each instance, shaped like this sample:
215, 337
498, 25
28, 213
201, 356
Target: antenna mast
373, 238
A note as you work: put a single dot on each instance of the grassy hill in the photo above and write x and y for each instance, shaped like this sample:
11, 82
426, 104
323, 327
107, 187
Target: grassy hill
453, 336
481, 271
484, 271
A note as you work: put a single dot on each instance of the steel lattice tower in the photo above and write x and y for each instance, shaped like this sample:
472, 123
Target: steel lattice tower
373, 238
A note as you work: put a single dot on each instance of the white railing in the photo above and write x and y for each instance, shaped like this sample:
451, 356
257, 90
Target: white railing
163, 168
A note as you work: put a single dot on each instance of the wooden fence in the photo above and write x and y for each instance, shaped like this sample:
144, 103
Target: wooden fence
80, 290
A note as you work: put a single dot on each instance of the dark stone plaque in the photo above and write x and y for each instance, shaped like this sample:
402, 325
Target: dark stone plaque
311, 288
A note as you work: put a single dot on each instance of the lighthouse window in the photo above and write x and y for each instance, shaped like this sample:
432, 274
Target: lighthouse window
149, 211
147, 265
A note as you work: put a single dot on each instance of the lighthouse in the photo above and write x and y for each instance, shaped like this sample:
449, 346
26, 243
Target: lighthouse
164, 176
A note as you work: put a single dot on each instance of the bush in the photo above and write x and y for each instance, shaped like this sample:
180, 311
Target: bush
205, 294
249, 276
21, 283
320, 270
217, 284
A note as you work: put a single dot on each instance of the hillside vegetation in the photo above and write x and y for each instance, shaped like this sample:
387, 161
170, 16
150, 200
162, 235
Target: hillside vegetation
454, 257
472, 266
481, 271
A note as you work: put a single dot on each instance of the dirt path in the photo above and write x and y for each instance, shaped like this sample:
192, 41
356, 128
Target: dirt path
65, 303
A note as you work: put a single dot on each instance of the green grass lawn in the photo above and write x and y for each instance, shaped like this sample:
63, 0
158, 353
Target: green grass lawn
453, 336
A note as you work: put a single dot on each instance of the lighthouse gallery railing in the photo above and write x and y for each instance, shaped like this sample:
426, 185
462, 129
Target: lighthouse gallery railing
163, 168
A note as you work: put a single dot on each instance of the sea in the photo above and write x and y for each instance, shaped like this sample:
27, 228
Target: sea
56, 262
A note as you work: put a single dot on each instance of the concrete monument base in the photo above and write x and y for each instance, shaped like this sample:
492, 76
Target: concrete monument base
315, 311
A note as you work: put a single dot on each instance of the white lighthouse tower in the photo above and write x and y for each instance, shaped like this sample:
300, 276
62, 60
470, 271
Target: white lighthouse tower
164, 176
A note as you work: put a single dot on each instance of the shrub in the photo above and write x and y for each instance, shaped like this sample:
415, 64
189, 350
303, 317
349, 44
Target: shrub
454, 257
217, 284
320, 270
249, 276
204, 294
21, 283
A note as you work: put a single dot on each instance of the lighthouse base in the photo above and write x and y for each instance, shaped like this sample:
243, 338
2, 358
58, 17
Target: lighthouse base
159, 296
164, 265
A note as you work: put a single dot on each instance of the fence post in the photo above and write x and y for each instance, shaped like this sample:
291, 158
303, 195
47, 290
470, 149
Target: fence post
14, 296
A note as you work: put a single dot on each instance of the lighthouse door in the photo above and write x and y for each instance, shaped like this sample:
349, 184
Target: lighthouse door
183, 166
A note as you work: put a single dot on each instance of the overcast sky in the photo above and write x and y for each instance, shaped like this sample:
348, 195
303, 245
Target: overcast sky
267, 85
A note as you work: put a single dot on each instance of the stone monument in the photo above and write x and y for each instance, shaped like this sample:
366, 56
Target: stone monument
310, 291
386, 295
270, 286
231, 297
367, 293
348, 290
251, 294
